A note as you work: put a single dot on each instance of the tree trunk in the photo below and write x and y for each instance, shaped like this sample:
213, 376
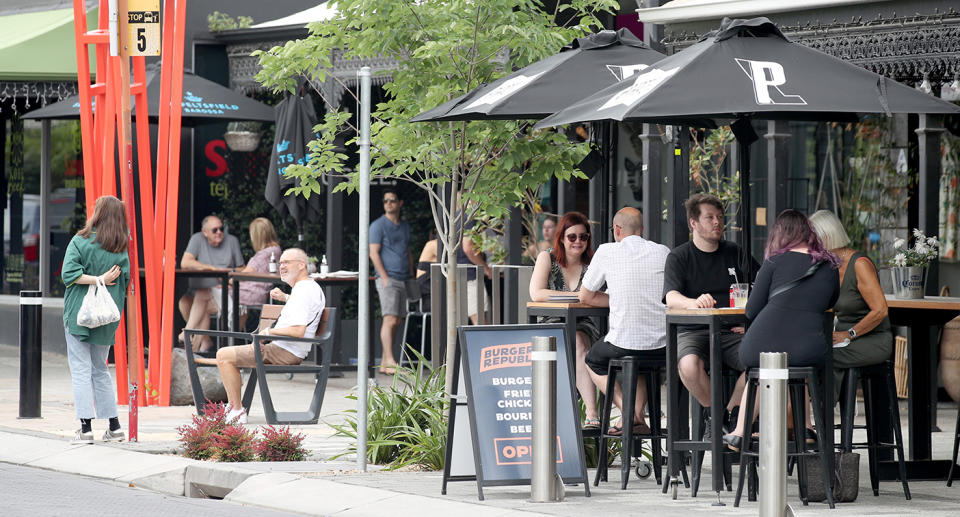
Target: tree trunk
453, 237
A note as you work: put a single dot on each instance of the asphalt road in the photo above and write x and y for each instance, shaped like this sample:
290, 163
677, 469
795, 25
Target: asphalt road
31, 492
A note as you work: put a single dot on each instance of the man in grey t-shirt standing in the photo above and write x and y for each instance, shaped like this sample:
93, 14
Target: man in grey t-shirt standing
208, 249
391, 257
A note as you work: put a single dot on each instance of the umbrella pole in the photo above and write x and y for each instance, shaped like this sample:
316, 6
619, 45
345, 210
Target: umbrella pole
744, 216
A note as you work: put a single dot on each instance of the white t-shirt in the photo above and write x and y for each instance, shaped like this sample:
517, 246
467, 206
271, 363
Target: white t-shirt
305, 307
633, 271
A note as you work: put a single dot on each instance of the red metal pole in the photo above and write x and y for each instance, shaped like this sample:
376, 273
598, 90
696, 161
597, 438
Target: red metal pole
150, 260
133, 416
173, 184
82, 39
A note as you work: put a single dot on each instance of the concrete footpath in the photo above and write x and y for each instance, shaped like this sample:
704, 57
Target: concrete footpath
322, 486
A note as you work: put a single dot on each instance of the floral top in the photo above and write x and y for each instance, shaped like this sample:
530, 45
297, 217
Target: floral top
255, 293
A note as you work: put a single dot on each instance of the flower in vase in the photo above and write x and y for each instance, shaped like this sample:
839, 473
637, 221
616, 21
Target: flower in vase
923, 251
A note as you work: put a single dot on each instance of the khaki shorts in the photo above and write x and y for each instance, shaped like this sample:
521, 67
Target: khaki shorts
272, 354
697, 342
393, 298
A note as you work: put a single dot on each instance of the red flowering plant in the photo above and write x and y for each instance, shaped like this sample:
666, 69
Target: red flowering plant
280, 444
235, 443
198, 437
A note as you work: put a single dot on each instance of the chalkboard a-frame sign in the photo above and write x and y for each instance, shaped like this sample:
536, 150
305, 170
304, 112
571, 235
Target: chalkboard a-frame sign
492, 372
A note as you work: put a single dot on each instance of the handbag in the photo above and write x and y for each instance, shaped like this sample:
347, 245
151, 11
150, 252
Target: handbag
846, 478
98, 308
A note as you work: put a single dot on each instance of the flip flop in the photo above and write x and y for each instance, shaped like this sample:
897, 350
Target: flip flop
388, 370
638, 429
591, 423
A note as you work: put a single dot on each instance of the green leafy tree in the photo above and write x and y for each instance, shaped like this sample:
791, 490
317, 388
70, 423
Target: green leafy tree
443, 48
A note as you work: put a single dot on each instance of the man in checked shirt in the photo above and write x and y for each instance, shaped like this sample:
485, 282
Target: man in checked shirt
632, 268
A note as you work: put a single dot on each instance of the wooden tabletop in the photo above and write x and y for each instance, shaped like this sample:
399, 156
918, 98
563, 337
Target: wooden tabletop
256, 276
930, 302
561, 305
706, 312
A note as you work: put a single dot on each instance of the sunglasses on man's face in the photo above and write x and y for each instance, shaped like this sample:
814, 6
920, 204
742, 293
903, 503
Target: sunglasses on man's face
216, 229
572, 237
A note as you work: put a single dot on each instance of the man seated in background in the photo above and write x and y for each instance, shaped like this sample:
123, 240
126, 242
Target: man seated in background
209, 249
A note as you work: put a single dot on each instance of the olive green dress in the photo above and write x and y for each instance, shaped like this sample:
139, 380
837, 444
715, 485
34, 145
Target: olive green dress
874, 347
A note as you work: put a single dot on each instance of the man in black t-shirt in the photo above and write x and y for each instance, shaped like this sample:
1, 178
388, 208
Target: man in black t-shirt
697, 275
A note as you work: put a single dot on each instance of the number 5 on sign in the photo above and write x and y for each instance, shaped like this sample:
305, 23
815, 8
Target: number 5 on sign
143, 19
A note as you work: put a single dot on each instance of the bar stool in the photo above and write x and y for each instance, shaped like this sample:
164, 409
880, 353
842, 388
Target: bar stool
631, 368
798, 377
730, 377
877, 376
424, 314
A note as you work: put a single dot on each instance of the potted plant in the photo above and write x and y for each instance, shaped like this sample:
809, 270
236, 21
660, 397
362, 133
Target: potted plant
909, 264
243, 136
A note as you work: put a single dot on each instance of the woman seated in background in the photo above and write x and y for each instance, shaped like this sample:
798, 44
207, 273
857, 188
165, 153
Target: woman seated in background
559, 271
427, 256
264, 240
861, 309
796, 284
549, 229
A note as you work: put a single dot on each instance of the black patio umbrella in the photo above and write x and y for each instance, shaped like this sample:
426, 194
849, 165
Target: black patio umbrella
204, 102
295, 117
585, 65
748, 70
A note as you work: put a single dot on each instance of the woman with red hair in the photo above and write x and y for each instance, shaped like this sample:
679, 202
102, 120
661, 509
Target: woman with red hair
559, 271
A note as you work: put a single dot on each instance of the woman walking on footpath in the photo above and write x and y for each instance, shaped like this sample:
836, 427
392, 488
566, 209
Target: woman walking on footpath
98, 251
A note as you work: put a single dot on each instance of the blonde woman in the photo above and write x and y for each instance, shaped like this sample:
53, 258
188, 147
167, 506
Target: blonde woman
96, 252
861, 310
264, 240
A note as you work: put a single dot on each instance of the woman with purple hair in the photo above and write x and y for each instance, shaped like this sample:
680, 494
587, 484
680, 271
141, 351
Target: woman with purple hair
796, 284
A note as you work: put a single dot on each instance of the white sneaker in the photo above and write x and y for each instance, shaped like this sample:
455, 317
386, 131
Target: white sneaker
238, 415
83, 437
114, 436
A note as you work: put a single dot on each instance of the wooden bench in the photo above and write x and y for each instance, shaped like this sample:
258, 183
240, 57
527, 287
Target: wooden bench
322, 348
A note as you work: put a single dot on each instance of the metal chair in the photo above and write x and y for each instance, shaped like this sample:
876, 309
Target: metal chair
323, 347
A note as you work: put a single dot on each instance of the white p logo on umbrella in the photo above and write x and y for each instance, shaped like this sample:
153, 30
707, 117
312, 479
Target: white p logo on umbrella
767, 75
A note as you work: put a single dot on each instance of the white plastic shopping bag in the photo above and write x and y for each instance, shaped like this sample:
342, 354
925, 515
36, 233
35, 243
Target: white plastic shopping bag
98, 308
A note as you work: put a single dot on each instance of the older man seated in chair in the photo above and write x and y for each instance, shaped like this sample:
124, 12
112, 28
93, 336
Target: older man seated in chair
299, 318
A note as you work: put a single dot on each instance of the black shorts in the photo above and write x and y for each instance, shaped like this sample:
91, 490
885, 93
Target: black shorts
600, 354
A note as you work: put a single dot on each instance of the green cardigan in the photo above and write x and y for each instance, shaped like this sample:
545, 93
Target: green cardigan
85, 256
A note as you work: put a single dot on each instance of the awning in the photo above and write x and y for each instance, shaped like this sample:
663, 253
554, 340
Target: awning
40, 46
680, 11
319, 13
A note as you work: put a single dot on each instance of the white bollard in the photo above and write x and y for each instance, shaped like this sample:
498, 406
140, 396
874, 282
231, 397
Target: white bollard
545, 487
773, 435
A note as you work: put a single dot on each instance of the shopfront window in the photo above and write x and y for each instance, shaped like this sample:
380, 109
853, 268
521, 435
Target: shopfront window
23, 200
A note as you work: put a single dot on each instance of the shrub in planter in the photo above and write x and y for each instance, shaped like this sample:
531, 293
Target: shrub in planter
405, 421
235, 443
280, 444
198, 437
